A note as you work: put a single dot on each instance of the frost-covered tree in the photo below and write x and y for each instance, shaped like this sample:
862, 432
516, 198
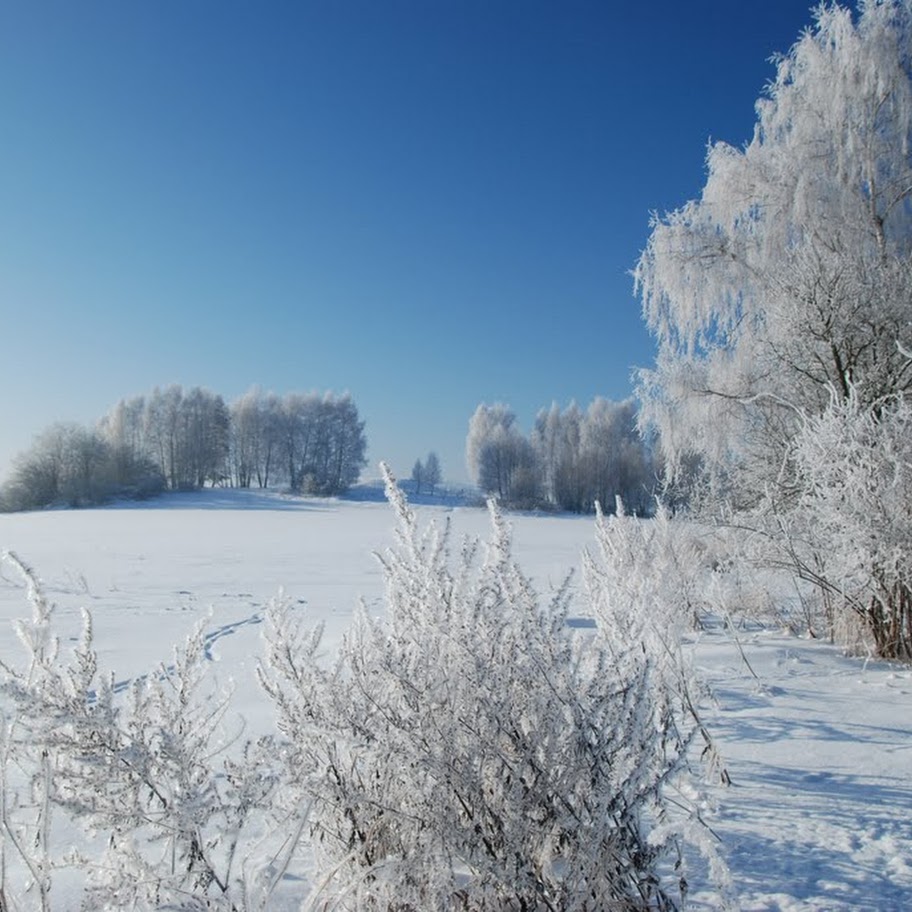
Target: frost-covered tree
255, 437
426, 475
299, 419
790, 276
569, 481
123, 428
418, 475
780, 303
615, 460
497, 454
432, 471
853, 531
322, 442
593, 456
244, 436
547, 441
205, 433
187, 433
67, 465
341, 448
71, 465
162, 428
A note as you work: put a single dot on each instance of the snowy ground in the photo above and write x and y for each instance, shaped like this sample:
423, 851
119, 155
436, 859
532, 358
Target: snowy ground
819, 746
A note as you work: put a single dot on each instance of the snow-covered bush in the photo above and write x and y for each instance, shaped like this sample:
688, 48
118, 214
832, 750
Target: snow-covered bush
647, 586
855, 538
25, 773
650, 574
470, 751
168, 814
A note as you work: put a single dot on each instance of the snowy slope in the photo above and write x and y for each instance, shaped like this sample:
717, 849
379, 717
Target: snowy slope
819, 746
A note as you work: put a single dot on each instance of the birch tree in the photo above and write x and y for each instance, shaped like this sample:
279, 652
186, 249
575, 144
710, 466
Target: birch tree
497, 454
432, 472
780, 304
790, 275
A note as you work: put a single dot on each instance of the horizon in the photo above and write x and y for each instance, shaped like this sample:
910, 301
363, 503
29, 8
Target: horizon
428, 206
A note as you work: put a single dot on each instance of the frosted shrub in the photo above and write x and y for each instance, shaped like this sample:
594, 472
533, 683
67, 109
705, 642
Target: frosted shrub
25, 773
854, 541
467, 751
646, 587
470, 751
651, 574
168, 815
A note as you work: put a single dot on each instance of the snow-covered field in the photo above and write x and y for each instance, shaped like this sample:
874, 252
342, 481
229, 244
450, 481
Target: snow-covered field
819, 746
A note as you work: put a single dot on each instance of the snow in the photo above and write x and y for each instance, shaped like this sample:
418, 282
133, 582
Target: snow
820, 754
818, 745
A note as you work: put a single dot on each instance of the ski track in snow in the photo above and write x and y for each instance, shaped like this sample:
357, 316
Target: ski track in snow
819, 746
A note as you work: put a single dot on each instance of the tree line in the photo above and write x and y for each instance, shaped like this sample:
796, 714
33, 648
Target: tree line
183, 439
571, 461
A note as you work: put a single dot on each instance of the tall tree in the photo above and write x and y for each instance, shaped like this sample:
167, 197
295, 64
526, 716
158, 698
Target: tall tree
780, 301
569, 481
245, 433
432, 471
418, 475
160, 430
123, 429
204, 438
547, 440
615, 460
322, 442
497, 454
789, 277
347, 445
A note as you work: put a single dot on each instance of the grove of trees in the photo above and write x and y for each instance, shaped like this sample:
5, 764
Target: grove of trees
571, 461
781, 302
77, 466
313, 443
179, 439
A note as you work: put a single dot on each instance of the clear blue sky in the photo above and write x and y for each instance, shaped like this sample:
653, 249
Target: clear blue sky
429, 203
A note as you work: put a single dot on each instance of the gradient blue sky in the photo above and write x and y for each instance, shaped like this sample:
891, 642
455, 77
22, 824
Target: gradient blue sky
429, 203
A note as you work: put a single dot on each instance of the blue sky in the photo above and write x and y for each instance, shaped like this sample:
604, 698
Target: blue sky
429, 203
